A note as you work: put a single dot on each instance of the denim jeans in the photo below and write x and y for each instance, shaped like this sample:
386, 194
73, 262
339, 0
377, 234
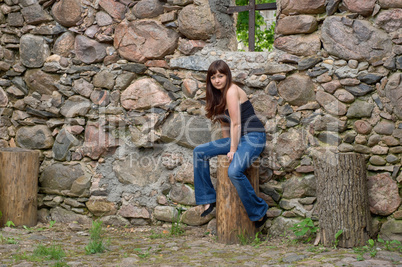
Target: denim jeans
248, 150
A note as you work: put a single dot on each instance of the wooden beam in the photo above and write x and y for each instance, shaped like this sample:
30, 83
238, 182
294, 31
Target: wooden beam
267, 6
251, 26
233, 9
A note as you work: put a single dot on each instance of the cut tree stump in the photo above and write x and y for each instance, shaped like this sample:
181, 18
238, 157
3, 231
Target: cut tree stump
232, 220
19, 170
342, 199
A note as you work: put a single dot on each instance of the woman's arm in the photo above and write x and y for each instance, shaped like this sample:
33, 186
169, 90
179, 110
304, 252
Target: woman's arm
232, 100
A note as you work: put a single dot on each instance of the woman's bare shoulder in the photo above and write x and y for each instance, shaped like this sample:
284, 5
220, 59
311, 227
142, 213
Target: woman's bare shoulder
242, 96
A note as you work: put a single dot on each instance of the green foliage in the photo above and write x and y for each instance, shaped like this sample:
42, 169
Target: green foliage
177, 226
144, 254
42, 253
337, 235
54, 252
255, 242
8, 240
305, 229
10, 224
51, 223
391, 245
264, 38
96, 243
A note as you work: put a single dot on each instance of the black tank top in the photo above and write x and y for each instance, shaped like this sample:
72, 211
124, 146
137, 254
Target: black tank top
249, 121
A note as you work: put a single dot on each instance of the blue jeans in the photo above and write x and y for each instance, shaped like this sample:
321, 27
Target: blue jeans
248, 150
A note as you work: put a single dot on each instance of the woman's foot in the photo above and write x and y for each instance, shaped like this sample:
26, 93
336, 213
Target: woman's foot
261, 222
208, 210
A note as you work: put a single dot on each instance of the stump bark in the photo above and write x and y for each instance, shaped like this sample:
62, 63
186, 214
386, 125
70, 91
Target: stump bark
19, 170
342, 199
232, 220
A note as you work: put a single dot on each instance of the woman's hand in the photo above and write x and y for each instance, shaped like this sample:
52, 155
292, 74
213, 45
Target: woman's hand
230, 156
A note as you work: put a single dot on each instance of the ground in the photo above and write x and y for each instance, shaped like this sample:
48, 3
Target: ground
171, 246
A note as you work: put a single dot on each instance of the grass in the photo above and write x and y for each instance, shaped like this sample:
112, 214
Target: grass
96, 243
43, 253
54, 252
256, 242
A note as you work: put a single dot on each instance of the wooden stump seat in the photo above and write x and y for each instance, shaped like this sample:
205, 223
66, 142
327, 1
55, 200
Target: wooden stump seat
231, 217
342, 197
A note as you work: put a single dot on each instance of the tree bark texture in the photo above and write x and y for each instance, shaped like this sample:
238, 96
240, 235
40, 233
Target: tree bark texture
342, 199
231, 217
19, 169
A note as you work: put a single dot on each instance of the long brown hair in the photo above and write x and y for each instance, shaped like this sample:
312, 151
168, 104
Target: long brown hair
216, 99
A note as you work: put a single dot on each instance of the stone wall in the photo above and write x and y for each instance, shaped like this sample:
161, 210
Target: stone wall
112, 94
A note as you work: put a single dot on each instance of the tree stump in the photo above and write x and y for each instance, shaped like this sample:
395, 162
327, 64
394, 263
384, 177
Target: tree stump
342, 196
19, 170
232, 220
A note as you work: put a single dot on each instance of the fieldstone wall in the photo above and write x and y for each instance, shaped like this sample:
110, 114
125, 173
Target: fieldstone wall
112, 93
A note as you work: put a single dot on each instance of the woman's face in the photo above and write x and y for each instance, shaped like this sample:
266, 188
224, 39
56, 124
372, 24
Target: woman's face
218, 80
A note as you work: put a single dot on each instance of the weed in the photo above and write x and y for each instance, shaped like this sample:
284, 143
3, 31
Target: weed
244, 239
155, 235
96, 243
51, 223
305, 228
8, 240
372, 248
141, 254
337, 235
391, 245
10, 224
177, 226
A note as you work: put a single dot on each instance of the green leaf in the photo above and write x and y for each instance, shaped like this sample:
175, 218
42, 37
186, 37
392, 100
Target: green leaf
338, 234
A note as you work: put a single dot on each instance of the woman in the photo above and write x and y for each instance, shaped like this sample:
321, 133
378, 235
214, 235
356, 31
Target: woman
243, 141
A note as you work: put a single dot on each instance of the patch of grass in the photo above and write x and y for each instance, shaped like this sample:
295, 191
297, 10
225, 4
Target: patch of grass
142, 254
54, 252
43, 253
8, 240
96, 243
244, 239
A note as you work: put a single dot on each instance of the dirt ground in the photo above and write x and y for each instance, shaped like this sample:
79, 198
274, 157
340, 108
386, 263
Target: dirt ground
170, 246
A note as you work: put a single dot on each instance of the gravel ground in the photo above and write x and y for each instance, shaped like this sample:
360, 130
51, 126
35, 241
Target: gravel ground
156, 246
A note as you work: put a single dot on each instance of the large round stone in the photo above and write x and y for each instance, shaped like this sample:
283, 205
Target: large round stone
148, 9
64, 45
35, 137
142, 40
33, 51
301, 45
297, 89
290, 7
296, 24
67, 12
88, 50
383, 194
196, 22
355, 39
144, 94
362, 7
